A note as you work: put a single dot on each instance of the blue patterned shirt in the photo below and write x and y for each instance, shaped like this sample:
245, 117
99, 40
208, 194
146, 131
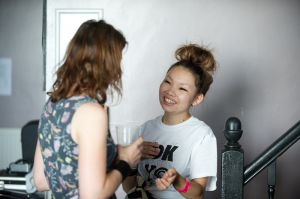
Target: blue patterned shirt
59, 151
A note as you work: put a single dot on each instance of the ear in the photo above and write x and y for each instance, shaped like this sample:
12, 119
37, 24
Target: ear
198, 99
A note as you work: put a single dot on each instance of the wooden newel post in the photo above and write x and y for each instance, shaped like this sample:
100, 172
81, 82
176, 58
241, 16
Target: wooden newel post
232, 161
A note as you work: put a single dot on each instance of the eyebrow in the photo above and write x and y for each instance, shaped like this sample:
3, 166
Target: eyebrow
181, 84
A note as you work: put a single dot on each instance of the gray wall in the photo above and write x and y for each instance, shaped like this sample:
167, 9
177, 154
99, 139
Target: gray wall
256, 43
20, 40
257, 46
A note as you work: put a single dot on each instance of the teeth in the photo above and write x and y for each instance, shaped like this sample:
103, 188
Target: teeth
169, 101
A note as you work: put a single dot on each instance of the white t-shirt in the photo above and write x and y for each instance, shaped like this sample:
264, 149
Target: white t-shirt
190, 147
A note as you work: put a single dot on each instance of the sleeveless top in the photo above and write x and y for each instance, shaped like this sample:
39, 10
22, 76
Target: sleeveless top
59, 151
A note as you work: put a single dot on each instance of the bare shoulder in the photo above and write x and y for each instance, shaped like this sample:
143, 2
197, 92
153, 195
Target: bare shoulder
90, 117
90, 112
91, 109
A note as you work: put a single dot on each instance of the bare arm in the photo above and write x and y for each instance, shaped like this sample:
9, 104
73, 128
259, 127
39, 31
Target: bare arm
129, 183
195, 191
89, 130
38, 170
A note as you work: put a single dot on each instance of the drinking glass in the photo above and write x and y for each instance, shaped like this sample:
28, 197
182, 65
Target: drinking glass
127, 134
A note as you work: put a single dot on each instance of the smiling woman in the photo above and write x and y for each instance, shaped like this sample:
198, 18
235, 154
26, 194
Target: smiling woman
180, 151
186, 81
177, 92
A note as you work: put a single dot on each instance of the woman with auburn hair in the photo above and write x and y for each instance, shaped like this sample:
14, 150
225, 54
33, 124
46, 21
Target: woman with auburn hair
75, 155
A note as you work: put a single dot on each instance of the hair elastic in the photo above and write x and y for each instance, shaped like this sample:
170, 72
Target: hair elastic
186, 186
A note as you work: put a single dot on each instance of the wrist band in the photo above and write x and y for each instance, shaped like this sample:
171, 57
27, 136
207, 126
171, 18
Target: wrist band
133, 172
186, 186
123, 167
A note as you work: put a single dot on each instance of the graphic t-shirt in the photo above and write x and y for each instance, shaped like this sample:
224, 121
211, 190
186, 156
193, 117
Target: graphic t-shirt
190, 147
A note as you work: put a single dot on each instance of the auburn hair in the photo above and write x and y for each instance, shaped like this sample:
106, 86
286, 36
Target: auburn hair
91, 63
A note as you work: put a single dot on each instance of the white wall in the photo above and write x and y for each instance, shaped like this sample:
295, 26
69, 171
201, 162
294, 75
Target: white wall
257, 46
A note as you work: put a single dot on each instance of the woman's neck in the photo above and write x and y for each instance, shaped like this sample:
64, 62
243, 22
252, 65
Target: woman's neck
171, 119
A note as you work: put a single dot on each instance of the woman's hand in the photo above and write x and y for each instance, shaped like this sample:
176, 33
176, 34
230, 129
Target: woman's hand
150, 150
195, 189
132, 153
166, 180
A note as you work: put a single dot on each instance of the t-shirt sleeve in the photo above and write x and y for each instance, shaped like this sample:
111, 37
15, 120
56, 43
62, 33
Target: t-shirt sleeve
204, 160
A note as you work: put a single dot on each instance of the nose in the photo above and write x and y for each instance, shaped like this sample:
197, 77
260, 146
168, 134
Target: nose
171, 91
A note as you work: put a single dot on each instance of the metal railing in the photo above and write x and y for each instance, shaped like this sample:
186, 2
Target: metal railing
235, 175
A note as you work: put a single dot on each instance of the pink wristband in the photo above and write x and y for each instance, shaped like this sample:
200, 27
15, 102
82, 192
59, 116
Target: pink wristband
186, 186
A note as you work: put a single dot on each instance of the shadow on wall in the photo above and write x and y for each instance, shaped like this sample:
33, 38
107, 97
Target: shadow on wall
236, 95
225, 99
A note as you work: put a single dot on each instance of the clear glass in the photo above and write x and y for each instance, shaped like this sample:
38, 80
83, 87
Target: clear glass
127, 134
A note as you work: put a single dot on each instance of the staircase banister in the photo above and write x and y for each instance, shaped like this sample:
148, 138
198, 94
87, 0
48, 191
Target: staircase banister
276, 149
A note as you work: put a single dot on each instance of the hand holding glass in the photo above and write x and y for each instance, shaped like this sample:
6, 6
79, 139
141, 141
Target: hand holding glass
127, 134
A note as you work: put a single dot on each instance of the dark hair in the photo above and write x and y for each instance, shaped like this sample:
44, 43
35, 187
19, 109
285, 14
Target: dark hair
200, 62
92, 62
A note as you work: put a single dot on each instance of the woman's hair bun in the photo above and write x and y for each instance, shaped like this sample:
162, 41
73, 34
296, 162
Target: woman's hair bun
197, 55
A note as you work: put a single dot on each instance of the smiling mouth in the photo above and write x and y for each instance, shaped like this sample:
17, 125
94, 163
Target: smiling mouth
168, 100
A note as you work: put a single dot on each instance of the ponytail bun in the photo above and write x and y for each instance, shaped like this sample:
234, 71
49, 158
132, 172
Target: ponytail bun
197, 55
200, 61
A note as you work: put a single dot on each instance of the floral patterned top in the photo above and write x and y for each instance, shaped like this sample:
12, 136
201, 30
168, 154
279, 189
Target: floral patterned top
59, 151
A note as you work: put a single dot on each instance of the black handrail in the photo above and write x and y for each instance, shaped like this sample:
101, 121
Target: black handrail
272, 152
